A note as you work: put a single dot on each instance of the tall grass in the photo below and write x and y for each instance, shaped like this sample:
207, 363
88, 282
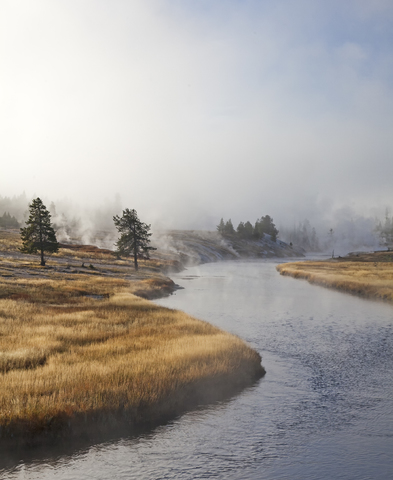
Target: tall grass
370, 279
117, 355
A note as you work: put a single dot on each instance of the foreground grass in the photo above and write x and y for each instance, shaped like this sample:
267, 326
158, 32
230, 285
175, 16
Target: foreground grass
368, 275
80, 353
123, 355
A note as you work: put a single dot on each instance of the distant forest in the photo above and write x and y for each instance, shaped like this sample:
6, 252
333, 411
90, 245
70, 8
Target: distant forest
15, 207
263, 226
385, 229
348, 233
8, 221
303, 235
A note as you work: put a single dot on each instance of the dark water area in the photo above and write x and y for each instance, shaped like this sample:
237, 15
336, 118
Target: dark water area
324, 410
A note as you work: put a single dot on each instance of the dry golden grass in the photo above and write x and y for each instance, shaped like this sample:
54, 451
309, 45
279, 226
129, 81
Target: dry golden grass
78, 346
75, 271
366, 275
10, 240
83, 258
116, 355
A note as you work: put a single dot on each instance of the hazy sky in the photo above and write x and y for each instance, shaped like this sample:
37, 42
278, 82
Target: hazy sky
195, 109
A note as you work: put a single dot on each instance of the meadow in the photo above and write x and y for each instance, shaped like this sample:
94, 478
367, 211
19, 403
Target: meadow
369, 275
81, 353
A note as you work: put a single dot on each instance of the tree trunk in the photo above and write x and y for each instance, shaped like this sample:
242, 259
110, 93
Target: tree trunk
41, 244
135, 260
135, 248
42, 258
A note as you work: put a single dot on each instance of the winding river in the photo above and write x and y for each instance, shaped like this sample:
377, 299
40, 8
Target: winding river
324, 410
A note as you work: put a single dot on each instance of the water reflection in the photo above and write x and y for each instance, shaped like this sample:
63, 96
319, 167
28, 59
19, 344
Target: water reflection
324, 409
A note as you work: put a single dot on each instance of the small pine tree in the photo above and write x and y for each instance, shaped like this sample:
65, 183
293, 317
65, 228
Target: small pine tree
258, 229
38, 235
221, 226
228, 229
240, 229
265, 225
248, 230
134, 237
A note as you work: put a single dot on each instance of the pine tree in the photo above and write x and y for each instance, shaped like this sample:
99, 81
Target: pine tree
134, 237
228, 229
6, 221
258, 229
221, 226
248, 230
265, 225
38, 235
240, 229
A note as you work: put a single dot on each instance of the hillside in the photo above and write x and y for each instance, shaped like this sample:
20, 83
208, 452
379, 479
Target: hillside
192, 247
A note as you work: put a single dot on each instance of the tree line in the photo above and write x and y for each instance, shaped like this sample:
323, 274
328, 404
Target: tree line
385, 229
245, 230
8, 221
15, 206
39, 236
303, 235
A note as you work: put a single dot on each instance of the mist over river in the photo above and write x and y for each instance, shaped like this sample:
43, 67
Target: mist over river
324, 410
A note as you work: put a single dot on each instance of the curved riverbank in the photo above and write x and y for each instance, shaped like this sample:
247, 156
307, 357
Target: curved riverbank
367, 275
77, 371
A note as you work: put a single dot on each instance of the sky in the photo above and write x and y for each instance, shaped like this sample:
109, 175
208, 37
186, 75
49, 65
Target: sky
193, 110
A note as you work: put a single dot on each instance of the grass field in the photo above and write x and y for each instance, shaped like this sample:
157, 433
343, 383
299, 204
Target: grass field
368, 275
79, 350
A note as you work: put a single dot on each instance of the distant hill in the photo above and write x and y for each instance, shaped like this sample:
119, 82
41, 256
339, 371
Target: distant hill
192, 247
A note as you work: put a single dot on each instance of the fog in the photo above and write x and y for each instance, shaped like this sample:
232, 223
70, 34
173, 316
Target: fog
192, 111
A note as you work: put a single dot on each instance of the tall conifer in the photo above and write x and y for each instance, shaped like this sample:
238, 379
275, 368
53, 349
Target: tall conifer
134, 237
38, 235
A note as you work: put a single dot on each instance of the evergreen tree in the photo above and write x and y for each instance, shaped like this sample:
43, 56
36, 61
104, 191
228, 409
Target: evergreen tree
248, 230
8, 221
240, 230
266, 225
331, 240
221, 226
258, 232
228, 229
134, 237
38, 235
303, 235
245, 230
386, 231
314, 243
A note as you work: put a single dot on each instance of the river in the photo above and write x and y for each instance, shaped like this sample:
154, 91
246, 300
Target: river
324, 410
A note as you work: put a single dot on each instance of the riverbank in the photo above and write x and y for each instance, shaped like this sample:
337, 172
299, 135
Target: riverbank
82, 356
368, 275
